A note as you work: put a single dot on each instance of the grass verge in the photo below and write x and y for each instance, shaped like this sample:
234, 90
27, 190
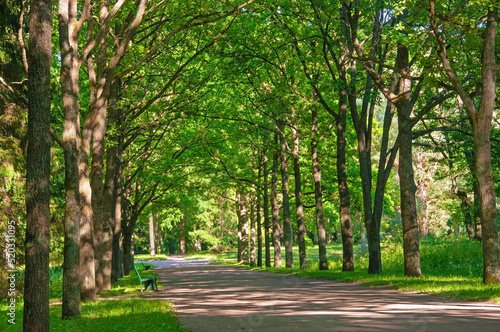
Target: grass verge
451, 268
117, 309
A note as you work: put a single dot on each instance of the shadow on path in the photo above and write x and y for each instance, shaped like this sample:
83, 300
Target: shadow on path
222, 298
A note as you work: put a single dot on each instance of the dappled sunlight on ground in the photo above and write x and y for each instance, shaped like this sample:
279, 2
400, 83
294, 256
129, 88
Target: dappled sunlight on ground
221, 298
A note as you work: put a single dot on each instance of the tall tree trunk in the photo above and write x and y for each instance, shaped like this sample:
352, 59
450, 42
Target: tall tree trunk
158, 235
287, 222
252, 232
182, 235
68, 41
258, 219
318, 196
344, 194
363, 126
244, 228
406, 175
481, 128
275, 210
87, 267
110, 238
267, 237
259, 229
240, 223
97, 168
152, 240
128, 249
301, 226
112, 244
37, 237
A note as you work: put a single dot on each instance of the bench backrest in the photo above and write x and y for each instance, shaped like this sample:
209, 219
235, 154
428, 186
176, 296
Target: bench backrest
138, 275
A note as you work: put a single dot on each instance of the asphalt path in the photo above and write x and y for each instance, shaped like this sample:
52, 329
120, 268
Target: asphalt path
222, 298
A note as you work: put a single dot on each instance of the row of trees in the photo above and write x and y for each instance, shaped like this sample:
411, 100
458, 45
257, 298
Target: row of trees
177, 110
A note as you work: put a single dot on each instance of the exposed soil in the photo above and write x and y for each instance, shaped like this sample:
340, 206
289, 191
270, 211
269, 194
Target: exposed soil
221, 298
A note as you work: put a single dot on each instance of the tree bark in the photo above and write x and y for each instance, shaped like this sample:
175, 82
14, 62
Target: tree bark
267, 240
406, 175
128, 249
318, 196
252, 232
87, 267
477, 212
98, 200
275, 210
287, 222
37, 237
344, 194
301, 227
152, 240
110, 239
244, 228
68, 41
182, 235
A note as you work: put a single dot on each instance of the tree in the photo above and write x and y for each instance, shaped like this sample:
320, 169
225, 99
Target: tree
480, 119
36, 291
68, 43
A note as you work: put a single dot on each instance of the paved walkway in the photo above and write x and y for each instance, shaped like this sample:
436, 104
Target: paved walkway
221, 298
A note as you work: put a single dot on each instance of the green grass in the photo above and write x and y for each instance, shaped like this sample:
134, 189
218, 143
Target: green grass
451, 268
146, 257
118, 309
129, 285
110, 315
218, 256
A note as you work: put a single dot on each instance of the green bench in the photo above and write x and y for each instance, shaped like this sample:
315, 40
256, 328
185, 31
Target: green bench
149, 282
146, 267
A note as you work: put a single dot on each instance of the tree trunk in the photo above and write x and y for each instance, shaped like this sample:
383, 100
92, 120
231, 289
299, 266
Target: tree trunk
113, 240
406, 176
318, 196
128, 249
344, 194
267, 240
98, 195
275, 210
37, 237
87, 267
244, 228
240, 223
481, 128
158, 235
259, 230
287, 222
477, 213
182, 235
68, 40
252, 232
152, 241
301, 227
110, 244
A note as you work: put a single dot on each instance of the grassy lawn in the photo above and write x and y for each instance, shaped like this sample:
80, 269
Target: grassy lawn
118, 309
147, 257
451, 268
